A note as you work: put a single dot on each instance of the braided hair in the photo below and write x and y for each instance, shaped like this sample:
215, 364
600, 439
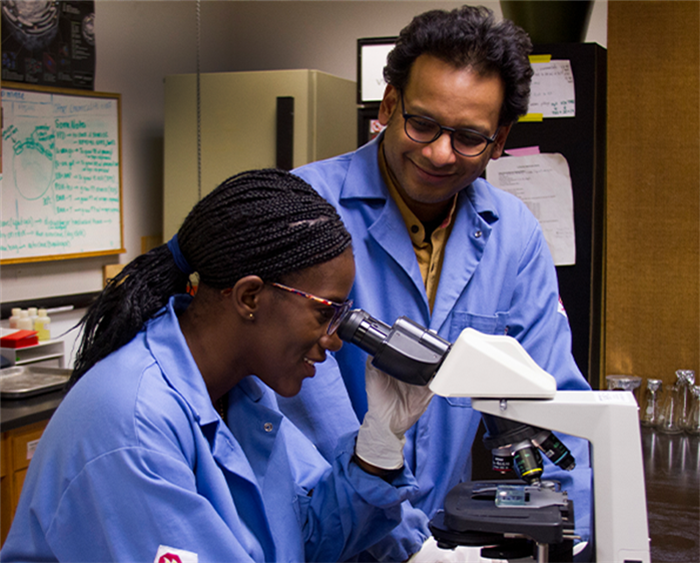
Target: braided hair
267, 223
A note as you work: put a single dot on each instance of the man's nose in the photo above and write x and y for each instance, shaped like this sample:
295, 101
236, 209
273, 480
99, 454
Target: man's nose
440, 152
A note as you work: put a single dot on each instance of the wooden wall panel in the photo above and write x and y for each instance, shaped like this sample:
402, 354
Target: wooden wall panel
652, 278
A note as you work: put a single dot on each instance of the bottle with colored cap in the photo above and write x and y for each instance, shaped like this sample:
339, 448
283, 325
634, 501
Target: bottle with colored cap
41, 325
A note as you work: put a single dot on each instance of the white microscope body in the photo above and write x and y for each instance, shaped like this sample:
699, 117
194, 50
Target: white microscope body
503, 380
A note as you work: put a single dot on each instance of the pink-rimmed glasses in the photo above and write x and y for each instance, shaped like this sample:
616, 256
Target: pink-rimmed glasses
339, 309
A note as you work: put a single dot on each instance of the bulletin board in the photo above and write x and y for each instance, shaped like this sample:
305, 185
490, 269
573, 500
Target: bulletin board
61, 183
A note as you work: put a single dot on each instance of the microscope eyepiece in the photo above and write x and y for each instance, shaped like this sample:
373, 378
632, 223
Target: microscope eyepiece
406, 351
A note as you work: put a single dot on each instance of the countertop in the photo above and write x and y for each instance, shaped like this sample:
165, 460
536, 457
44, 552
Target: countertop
672, 475
15, 413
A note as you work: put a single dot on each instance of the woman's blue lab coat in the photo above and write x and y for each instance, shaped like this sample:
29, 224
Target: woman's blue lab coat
136, 462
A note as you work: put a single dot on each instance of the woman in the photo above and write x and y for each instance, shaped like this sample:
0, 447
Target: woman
142, 461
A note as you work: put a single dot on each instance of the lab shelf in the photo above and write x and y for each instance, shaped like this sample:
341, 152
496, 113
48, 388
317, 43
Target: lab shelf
41, 352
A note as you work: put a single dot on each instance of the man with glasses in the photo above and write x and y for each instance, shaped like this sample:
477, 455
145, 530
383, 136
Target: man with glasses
435, 242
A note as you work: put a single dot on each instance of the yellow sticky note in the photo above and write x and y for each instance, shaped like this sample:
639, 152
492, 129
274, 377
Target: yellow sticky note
540, 58
531, 117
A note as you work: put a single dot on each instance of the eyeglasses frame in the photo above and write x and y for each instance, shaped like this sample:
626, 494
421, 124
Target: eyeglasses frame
443, 128
340, 309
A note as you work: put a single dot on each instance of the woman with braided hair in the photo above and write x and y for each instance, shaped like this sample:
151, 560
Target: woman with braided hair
169, 445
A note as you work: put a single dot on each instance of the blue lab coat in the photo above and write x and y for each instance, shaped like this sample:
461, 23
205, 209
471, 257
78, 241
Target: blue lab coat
497, 277
136, 457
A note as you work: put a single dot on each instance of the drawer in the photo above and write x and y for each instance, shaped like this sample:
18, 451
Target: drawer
4, 455
24, 442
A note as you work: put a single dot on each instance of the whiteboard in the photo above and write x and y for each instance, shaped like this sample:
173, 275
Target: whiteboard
61, 174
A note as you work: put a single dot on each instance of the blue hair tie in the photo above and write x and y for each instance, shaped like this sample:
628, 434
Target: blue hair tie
180, 260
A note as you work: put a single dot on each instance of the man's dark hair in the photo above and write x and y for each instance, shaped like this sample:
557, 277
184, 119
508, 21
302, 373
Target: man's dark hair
468, 37
268, 223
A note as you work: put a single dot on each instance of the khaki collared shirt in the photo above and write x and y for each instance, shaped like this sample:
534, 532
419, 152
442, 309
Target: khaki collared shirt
430, 253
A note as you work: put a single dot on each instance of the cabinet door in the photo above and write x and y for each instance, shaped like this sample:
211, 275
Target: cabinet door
5, 487
17, 451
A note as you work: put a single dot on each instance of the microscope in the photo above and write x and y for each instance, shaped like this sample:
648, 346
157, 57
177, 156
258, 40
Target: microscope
520, 407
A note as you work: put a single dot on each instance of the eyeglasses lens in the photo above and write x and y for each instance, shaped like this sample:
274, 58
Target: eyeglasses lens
464, 142
338, 316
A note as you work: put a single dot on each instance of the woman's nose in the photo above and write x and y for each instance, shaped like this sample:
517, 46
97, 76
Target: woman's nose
331, 342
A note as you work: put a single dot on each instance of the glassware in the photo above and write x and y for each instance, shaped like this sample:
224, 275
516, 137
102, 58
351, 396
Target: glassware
685, 379
671, 410
692, 424
625, 383
651, 403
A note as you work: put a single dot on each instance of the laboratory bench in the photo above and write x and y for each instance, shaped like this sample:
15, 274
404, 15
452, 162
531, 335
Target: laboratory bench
672, 476
671, 465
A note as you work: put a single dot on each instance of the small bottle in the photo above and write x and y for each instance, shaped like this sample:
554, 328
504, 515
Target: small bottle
24, 323
32, 314
651, 403
14, 319
41, 325
693, 421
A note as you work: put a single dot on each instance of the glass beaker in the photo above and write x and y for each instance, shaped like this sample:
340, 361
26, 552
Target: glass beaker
624, 383
692, 422
651, 403
671, 410
685, 379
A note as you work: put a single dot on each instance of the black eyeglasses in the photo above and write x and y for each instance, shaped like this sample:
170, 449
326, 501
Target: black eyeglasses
426, 130
339, 309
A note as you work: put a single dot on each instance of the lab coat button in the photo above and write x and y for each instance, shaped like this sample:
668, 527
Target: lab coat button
268, 427
477, 234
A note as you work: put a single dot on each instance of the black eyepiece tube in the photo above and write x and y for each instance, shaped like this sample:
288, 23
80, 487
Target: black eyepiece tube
406, 351
364, 331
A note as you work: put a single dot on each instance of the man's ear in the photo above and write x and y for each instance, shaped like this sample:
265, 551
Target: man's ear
500, 141
389, 104
245, 295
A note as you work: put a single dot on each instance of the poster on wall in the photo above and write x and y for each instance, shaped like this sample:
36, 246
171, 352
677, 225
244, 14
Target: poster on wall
49, 43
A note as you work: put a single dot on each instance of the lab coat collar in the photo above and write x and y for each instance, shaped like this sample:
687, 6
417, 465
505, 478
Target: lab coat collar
480, 195
169, 348
361, 179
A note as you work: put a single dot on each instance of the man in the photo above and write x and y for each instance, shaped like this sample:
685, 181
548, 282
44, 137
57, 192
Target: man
436, 243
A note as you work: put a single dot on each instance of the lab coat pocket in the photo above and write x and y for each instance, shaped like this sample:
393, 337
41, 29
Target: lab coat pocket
488, 324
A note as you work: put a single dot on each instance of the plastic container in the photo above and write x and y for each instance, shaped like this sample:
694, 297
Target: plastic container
24, 322
42, 325
14, 319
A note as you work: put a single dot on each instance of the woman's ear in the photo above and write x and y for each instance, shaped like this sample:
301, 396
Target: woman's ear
245, 295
